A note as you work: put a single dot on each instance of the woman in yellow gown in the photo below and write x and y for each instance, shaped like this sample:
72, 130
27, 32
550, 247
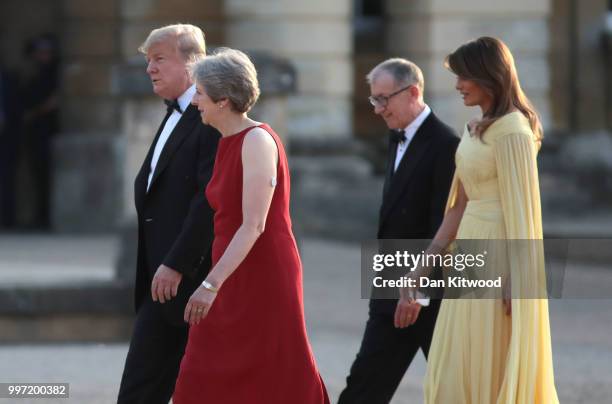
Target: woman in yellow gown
487, 351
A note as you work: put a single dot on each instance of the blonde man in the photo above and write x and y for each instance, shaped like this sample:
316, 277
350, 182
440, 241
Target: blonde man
174, 218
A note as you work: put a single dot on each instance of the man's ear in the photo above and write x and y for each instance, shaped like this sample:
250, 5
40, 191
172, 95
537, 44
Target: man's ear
415, 91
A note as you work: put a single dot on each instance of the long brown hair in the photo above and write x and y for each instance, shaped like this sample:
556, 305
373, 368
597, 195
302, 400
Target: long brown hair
488, 62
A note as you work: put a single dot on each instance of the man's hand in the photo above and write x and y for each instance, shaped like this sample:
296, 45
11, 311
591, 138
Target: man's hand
165, 284
406, 312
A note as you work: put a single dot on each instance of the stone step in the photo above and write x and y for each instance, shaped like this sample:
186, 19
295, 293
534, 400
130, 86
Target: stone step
56, 288
90, 311
335, 197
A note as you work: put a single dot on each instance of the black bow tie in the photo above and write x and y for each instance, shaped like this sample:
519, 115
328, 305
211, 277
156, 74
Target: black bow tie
171, 105
397, 135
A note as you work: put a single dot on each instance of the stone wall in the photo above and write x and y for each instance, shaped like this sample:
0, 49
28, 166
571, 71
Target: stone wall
87, 153
425, 31
580, 66
315, 36
16, 25
107, 133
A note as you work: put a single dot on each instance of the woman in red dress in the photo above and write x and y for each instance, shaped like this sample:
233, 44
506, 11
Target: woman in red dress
247, 341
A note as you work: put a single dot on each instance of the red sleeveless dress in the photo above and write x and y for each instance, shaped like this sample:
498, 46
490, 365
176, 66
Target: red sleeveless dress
252, 347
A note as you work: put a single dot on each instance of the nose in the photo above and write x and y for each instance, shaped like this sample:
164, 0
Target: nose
194, 99
150, 67
458, 85
378, 109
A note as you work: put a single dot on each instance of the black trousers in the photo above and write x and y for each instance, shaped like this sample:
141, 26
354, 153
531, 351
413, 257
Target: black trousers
154, 357
385, 354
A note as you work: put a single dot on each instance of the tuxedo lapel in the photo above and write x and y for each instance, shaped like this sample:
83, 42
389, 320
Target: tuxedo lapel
406, 169
177, 137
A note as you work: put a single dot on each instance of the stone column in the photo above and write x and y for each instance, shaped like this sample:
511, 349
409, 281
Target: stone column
581, 55
315, 36
608, 69
425, 31
87, 153
563, 63
592, 74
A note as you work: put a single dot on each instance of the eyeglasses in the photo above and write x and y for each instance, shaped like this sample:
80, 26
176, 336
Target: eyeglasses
383, 100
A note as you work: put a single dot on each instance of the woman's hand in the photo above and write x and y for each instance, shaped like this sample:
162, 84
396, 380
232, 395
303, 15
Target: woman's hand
199, 305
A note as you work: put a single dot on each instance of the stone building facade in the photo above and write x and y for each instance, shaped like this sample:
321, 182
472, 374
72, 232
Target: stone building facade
562, 50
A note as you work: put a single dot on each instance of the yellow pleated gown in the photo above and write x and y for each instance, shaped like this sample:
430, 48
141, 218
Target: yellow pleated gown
480, 355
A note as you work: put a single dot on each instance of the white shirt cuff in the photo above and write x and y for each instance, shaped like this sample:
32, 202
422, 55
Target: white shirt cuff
423, 301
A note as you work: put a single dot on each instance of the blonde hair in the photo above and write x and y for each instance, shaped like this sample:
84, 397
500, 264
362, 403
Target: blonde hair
488, 62
228, 73
189, 41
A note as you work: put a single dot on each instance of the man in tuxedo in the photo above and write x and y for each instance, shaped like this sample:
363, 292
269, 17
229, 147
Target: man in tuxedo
41, 120
175, 221
419, 174
10, 134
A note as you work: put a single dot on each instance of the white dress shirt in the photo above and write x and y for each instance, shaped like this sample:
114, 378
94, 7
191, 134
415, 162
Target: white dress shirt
409, 132
184, 100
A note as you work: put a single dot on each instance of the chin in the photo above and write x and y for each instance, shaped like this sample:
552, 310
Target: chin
159, 92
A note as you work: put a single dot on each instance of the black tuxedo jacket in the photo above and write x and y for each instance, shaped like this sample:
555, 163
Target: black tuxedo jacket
414, 197
175, 221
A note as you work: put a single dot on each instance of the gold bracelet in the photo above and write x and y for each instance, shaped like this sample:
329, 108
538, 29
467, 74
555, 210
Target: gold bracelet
209, 286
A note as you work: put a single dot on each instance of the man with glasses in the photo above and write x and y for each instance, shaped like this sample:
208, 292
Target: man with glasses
419, 174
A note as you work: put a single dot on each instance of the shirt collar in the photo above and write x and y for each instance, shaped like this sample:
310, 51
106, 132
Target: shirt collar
416, 123
185, 99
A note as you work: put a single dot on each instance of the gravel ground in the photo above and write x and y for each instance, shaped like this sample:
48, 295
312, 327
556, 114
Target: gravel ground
581, 330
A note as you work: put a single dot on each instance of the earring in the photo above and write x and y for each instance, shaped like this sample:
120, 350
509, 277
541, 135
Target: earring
220, 105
